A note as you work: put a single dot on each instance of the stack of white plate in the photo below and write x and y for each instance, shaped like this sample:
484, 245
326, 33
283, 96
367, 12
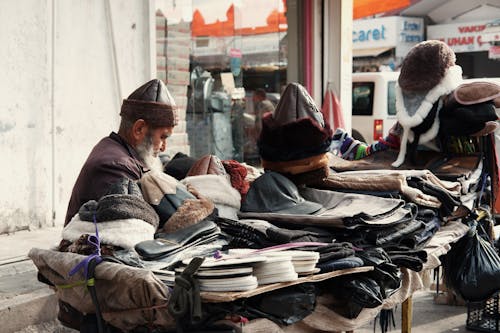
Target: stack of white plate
304, 262
165, 276
274, 270
226, 273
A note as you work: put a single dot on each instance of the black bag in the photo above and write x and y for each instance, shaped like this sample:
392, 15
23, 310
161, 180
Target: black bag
472, 267
283, 306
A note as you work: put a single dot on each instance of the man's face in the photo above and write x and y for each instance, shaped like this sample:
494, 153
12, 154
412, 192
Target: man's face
154, 142
158, 137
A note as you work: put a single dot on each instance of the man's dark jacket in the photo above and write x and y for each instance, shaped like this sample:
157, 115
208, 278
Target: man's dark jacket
110, 160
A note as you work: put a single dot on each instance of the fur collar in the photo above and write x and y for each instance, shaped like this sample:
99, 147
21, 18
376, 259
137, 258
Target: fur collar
409, 119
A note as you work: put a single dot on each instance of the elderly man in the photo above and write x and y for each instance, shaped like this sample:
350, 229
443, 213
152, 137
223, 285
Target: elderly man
147, 120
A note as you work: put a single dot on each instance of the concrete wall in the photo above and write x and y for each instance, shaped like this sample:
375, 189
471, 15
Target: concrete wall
66, 65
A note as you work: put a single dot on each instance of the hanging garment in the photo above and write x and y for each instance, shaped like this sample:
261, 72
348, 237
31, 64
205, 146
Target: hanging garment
332, 110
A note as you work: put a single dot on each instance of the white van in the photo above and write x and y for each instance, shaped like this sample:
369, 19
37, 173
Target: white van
373, 104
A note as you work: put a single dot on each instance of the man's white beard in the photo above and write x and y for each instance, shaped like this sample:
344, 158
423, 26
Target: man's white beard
147, 154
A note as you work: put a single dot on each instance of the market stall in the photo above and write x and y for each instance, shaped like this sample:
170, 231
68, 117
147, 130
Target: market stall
330, 234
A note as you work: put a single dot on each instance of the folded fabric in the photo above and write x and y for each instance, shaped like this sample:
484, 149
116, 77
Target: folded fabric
340, 210
238, 174
272, 192
466, 119
207, 165
297, 166
118, 207
125, 186
165, 194
243, 235
342, 263
124, 233
309, 177
362, 181
163, 244
218, 189
120, 288
190, 212
179, 165
381, 237
154, 185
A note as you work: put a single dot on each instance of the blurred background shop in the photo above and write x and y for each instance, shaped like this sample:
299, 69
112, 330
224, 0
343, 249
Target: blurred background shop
81, 58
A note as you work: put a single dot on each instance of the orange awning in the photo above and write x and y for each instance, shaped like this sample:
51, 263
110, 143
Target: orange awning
364, 8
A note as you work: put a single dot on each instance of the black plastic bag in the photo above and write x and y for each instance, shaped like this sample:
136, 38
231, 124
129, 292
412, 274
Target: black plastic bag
283, 306
472, 267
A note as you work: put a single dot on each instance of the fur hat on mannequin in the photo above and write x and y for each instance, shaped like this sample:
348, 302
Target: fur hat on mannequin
428, 73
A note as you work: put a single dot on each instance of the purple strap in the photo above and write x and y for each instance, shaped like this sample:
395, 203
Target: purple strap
93, 240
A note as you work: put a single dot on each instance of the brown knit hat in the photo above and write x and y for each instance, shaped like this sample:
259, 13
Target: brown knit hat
152, 102
425, 66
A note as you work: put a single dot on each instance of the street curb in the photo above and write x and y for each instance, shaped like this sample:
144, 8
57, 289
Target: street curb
28, 309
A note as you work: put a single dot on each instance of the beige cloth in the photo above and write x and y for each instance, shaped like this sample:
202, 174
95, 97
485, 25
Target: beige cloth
154, 185
295, 167
363, 181
129, 297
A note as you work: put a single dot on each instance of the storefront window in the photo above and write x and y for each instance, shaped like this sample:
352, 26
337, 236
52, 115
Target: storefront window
213, 55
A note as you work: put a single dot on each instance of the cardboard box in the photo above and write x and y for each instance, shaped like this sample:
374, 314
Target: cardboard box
178, 139
181, 114
184, 27
180, 127
176, 51
161, 47
161, 62
177, 89
178, 41
172, 150
162, 75
177, 64
181, 101
178, 77
177, 34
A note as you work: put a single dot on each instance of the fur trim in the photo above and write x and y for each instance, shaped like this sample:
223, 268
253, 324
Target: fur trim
451, 80
123, 233
191, 212
216, 188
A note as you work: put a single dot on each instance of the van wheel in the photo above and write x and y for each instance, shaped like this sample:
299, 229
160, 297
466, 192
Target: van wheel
357, 136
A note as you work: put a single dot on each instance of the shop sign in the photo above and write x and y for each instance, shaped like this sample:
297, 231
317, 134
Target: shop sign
410, 33
392, 32
461, 37
235, 62
494, 52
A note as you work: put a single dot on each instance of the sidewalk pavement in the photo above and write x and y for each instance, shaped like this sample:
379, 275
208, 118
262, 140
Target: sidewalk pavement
28, 306
24, 300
